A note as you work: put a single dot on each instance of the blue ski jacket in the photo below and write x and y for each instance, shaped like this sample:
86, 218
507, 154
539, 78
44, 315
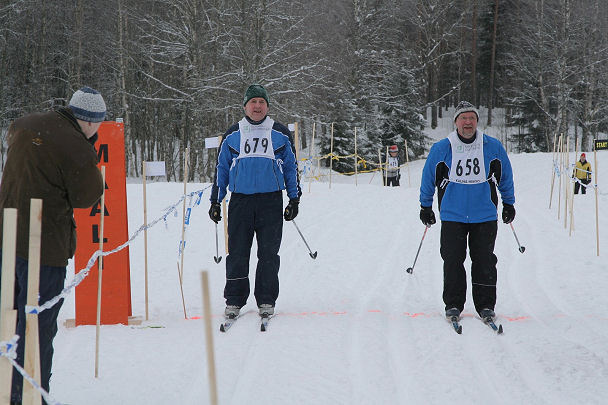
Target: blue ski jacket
468, 203
254, 175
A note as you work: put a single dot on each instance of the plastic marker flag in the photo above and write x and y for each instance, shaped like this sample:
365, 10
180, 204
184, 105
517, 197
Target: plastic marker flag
155, 169
213, 142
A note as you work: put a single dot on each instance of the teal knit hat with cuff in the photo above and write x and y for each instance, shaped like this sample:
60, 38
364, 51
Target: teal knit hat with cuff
255, 90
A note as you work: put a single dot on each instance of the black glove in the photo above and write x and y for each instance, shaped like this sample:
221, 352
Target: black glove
291, 211
508, 213
427, 216
215, 212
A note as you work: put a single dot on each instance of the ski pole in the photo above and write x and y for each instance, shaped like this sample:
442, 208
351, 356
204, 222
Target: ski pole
313, 255
217, 256
411, 269
521, 248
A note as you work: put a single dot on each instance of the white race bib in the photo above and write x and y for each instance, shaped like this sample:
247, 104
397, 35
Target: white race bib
256, 140
467, 160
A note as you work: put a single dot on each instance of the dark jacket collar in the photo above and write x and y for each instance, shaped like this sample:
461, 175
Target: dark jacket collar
67, 113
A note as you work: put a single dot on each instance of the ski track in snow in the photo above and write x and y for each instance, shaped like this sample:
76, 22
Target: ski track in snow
352, 327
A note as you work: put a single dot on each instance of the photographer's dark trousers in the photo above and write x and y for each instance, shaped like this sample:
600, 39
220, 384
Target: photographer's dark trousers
51, 284
582, 187
262, 215
481, 239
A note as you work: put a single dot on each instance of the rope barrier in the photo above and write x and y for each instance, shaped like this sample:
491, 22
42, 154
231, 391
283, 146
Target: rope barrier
9, 349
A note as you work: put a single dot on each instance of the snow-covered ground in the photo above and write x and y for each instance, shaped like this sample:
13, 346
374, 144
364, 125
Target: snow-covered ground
352, 327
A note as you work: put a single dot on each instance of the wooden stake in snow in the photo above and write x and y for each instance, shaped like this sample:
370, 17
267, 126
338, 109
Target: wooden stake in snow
407, 162
331, 153
356, 157
386, 168
312, 154
8, 315
552, 171
100, 271
32, 346
597, 224
209, 339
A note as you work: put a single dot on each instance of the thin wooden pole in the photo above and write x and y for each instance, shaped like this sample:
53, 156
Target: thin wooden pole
143, 172
566, 181
183, 243
562, 175
572, 199
331, 153
407, 160
297, 143
100, 271
32, 339
8, 315
209, 338
552, 171
356, 156
386, 168
312, 154
597, 224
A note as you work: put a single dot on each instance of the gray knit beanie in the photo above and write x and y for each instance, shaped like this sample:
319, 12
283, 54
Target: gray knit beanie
465, 106
88, 105
255, 90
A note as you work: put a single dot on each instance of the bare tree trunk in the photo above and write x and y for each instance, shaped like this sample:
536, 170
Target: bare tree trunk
492, 62
474, 57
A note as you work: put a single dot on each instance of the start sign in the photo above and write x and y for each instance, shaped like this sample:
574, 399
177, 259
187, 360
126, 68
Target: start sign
600, 144
116, 283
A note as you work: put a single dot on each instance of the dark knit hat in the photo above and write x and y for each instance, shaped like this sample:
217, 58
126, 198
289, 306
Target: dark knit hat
255, 90
88, 105
465, 106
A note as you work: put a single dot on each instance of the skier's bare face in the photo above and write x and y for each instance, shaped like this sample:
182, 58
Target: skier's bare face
466, 123
256, 108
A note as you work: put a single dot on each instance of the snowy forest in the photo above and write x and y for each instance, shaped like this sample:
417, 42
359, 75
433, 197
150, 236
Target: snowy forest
175, 70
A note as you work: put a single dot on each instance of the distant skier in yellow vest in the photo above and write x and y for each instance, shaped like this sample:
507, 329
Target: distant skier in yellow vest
582, 172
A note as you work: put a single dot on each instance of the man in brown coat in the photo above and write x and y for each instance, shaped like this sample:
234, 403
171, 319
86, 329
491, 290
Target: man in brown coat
51, 156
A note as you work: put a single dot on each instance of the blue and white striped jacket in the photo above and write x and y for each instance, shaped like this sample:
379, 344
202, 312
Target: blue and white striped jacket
256, 174
468, 203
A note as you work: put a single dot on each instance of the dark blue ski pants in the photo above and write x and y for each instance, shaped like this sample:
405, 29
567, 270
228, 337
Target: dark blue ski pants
51, 284
248, 214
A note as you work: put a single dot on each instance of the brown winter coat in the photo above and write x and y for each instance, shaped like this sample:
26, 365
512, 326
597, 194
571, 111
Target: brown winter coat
49, 157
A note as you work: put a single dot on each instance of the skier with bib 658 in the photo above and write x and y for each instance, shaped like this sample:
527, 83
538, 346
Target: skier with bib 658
256, 162
467, 168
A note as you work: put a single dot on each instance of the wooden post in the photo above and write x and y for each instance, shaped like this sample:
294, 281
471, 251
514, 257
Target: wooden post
209, 339
312, 154
552, 171
597, 224
331, 153
356, 156
100, 271
407, 162
8, 315
386, 167
566, 181
143, 173
572, 199
183, 242
296, 140
561, 176
32, 339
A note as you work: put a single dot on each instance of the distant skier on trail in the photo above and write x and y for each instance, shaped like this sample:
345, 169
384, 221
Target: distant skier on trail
392, 167
467, 167
256, 161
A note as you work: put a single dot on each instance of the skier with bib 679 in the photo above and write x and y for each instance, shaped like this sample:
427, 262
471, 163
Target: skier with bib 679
467, 168
256, 162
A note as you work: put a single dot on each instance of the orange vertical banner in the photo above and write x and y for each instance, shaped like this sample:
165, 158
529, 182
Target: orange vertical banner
116, 288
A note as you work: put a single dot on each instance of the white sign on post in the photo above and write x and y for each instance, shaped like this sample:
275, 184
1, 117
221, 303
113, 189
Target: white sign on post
213, 142
155, 169
291, 127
